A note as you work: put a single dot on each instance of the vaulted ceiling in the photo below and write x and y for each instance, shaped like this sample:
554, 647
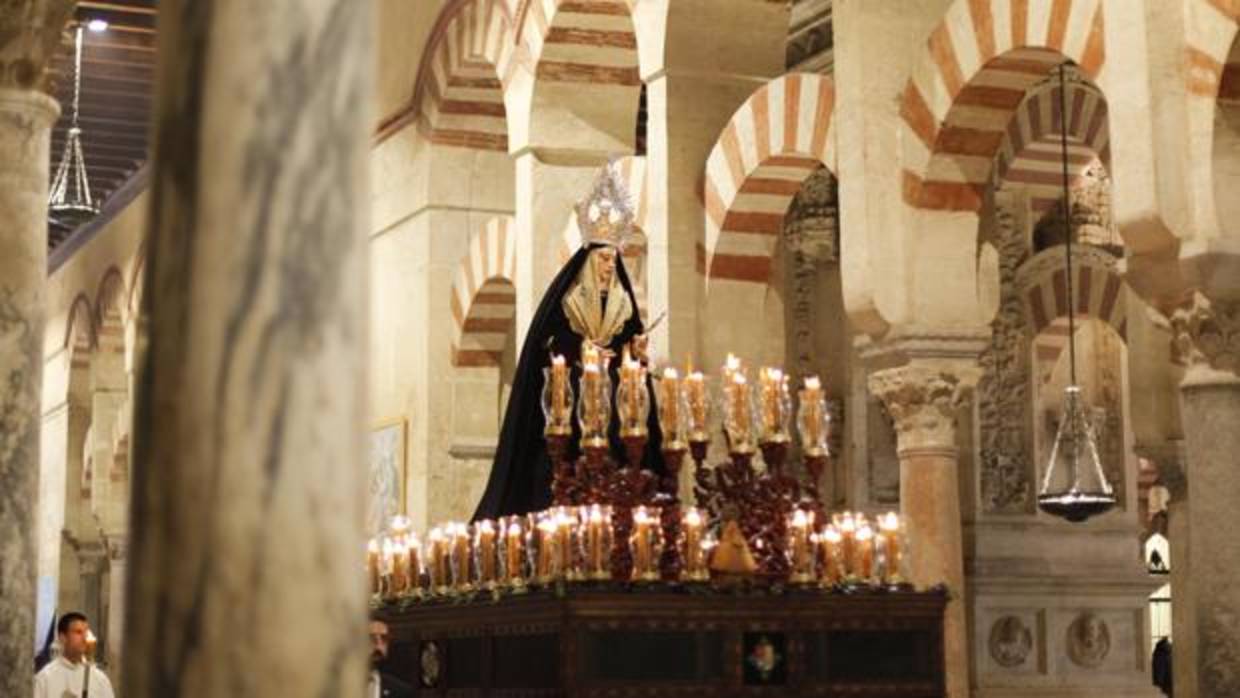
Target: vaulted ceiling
118, 73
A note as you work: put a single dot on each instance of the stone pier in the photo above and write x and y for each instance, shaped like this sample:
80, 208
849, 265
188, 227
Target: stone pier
246, 537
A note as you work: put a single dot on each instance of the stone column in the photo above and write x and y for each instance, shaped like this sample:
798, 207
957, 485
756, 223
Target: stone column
248, 495
29, 32
1207, 340
117, 568
924, 399
1169, 459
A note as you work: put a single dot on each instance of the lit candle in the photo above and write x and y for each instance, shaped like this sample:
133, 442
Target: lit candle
598, 541
512, 555
799, 545
773, 404
633, 386
811, 417
669, 408
591, 394
544, 569
864, 566
738, 401
847, 526
413, 549
461, 577
643, 545
484, 545
565, 530
372, 565
692, 552
830, 543
695, 396
437, 560
889, 524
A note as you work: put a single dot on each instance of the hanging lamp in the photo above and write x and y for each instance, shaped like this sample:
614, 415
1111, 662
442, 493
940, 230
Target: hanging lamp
69, 199
1074, 487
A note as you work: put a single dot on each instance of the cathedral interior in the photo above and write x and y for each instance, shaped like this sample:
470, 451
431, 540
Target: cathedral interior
268, 270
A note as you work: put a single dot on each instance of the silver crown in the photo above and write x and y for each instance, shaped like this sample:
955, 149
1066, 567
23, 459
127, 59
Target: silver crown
606, 215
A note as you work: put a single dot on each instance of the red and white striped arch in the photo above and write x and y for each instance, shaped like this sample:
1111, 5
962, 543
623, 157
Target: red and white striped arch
484, 295
460, 94
1210, 70
1030, 153
778, 137
978, 63
1098, 292
581, 41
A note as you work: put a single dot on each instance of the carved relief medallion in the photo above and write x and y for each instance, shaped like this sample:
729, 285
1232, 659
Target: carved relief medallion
1010, 641
1089, 641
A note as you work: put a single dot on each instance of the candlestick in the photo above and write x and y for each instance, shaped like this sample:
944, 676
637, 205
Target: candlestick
692, 547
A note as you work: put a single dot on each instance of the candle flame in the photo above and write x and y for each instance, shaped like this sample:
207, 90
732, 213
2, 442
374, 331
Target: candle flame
865, 533
372, 546
557, 359
889, 521
514, 529
832, 535
670, 373
693, 518
799, 519
812, 383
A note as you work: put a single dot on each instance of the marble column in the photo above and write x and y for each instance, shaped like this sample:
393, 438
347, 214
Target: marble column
1207, 341
924, 399
1169, 459
28, 34
246, 526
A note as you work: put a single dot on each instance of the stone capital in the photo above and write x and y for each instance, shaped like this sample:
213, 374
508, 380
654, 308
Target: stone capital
30, 32
924, 400
1206, 339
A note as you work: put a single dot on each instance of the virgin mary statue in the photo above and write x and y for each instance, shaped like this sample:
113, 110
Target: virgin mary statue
589, 300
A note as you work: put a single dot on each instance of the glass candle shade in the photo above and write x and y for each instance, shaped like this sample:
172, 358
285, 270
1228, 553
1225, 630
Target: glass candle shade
512, 552
830, 557
594, 404
813, 420
738, 413
775, 405
394, 568
413, 552
891, 546
698, 407
694, 566
374, 566
646, 544
544, 556
673, 410
460, 557
596, 541
863, 555
800, 547
632, 398
438, 563
486, 554
557, 398
567, 532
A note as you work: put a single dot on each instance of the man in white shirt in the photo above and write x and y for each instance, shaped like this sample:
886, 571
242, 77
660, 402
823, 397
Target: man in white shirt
70, 675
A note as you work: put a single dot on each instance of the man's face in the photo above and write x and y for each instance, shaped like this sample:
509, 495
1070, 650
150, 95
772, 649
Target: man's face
605, 265
379, 639
73, 641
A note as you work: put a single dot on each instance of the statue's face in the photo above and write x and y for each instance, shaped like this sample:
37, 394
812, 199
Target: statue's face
605, 266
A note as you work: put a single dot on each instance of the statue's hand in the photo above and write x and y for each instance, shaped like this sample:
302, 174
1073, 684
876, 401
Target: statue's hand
639, 347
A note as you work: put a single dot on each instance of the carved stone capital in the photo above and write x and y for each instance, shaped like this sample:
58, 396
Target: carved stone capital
1206, 339
30, 32
924, 400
